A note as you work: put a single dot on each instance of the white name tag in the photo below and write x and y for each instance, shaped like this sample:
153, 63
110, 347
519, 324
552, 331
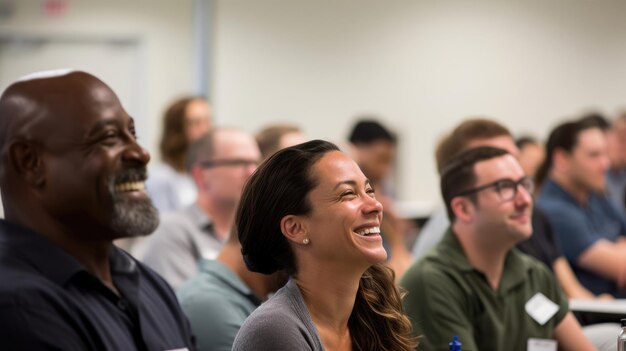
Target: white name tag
541, 345
540, 308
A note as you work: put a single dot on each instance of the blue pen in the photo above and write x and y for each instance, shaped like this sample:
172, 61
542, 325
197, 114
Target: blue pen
455, 344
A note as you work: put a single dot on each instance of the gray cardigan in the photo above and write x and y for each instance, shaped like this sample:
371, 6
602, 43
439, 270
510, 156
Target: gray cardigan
281, 323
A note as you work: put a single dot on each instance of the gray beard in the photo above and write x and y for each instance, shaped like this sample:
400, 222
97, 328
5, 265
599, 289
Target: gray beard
134, 218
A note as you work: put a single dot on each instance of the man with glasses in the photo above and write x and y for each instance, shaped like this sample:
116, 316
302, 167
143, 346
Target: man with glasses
220, 162
475, 284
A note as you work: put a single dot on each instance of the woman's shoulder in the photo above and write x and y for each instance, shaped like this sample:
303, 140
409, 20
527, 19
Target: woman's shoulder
284, 307
278, 324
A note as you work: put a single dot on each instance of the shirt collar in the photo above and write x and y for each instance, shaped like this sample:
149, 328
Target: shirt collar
49, 259
39, 252
200, 219
514, 272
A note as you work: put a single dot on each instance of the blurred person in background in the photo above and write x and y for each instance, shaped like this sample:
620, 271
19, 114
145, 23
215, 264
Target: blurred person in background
590, 228
278, 136
223, 294
531, 154
221, 162
170, 186
616, 175
374, 149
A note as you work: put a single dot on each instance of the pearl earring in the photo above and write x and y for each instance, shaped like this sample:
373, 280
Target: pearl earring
305, 241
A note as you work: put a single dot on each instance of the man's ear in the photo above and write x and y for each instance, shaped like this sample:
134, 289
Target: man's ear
196, 174
560, 159
294, 229
463, 208
27, 162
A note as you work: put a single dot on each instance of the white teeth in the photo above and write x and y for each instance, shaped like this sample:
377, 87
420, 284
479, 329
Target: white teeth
371, 230
130, 186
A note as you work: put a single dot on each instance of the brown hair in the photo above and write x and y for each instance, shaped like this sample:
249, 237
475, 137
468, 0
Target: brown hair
174, 143
279, 187
269, 138
463, 134
459, 176
564, 137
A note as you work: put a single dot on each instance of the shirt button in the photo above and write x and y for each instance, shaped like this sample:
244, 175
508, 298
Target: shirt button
122, 305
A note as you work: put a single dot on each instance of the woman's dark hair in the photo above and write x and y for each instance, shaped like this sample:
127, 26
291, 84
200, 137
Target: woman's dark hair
565, 137
280, 187
174, 143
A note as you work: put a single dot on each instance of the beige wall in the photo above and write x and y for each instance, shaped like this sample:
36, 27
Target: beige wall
162, 30
423, 65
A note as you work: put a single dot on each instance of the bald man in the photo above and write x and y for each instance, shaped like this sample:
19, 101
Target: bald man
72, 180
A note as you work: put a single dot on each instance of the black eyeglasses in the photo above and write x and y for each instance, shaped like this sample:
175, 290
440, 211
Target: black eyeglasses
228, 163
506, 188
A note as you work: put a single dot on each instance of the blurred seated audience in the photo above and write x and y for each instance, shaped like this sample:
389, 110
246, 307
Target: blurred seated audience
588, 225
542, 244
531, 154
169, 184
220, 161
616, 175
374, 150
309, 211
475, 284
222, 295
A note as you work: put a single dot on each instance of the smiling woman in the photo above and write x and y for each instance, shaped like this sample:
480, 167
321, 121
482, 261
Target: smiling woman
309, 211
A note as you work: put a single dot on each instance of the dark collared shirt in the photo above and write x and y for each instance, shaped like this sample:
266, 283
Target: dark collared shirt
48, 300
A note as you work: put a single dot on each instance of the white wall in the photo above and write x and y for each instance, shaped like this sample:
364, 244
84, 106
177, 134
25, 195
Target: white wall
162, 30
423, 65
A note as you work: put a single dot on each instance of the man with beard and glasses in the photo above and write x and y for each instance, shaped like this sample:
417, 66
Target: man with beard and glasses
72, 179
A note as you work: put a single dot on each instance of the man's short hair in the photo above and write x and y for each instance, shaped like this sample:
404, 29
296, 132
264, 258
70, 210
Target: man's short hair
466, 132
269, 137
459, 175
563, 137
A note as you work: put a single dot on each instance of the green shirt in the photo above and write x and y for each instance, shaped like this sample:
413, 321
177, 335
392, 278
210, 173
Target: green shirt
448, 297
216, 302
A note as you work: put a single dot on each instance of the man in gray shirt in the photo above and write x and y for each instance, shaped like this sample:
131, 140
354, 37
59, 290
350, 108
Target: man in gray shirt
220, 163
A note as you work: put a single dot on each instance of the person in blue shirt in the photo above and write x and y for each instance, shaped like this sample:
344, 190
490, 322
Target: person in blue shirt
587, 224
